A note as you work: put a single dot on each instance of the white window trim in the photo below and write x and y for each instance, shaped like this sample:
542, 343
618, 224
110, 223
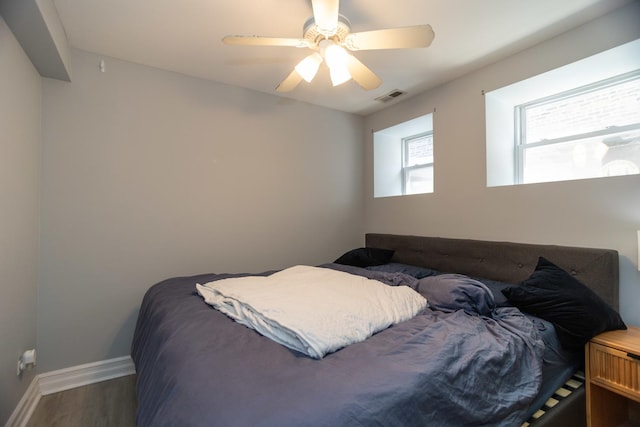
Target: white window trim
500, 102
521, 125
406, 169
387, 154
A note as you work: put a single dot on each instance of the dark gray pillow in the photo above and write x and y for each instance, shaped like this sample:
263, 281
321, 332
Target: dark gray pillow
365, 257
576, 312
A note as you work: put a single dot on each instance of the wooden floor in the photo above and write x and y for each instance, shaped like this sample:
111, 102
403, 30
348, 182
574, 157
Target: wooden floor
105, 404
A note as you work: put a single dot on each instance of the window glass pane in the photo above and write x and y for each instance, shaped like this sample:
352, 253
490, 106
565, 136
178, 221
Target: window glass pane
419, 180
409, 142
419, 150
616, 105
615, 154
595, 97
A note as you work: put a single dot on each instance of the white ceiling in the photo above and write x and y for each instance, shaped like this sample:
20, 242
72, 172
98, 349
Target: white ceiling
185, 36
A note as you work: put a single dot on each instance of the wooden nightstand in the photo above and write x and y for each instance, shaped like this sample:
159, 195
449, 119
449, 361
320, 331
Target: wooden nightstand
612, 362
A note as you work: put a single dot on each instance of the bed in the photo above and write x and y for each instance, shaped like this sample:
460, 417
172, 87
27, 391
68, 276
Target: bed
470, 358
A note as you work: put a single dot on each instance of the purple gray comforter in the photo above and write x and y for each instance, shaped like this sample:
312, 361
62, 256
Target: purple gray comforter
461, 362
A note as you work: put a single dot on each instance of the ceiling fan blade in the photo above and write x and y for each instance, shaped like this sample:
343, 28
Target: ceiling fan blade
362, 75
325, 15
290, 83
392, 38
264, 41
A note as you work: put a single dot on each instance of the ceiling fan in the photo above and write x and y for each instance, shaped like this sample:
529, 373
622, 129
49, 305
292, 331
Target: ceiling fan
327, 33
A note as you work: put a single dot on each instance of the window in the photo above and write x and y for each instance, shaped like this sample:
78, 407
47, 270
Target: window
578, 121
417, 169
403, 158
589, 132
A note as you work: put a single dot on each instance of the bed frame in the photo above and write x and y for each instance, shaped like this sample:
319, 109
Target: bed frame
511, 263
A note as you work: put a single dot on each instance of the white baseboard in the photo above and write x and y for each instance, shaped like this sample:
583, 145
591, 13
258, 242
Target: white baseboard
65, 379
26, 406
77, 376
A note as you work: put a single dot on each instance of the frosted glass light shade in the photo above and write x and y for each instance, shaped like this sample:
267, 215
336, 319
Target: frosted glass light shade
335, 55
339, 74
308, 67
336, 58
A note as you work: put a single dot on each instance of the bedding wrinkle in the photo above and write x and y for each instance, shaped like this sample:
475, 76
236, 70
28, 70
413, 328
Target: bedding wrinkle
437, 368
312, 310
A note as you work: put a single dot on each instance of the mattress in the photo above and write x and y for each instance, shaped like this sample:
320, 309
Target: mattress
195, 366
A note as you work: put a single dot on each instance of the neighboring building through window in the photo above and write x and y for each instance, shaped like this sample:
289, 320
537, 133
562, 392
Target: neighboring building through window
589, 132
579, 121
403, 158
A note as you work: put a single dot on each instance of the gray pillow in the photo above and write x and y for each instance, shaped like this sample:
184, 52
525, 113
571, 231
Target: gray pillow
452, 292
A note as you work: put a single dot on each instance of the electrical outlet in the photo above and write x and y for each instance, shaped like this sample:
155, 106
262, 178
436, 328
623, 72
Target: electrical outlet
26, 361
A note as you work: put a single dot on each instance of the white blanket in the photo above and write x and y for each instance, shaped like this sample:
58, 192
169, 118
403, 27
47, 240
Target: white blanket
311, 309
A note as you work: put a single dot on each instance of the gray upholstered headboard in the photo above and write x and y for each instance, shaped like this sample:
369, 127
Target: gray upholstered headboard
504, 261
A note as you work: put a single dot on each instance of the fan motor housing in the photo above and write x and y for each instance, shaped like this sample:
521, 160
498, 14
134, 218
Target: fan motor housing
310, 30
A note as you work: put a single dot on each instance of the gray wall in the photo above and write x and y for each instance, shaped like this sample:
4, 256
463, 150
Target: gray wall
149, 174
20, 100
593, 213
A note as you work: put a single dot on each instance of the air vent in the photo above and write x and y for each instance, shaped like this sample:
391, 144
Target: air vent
390, 96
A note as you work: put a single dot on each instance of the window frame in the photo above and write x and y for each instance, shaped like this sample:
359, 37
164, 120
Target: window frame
520, 120
407, 169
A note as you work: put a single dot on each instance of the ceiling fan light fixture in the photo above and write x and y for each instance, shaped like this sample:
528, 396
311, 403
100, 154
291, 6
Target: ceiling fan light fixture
328, 33
308, 67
